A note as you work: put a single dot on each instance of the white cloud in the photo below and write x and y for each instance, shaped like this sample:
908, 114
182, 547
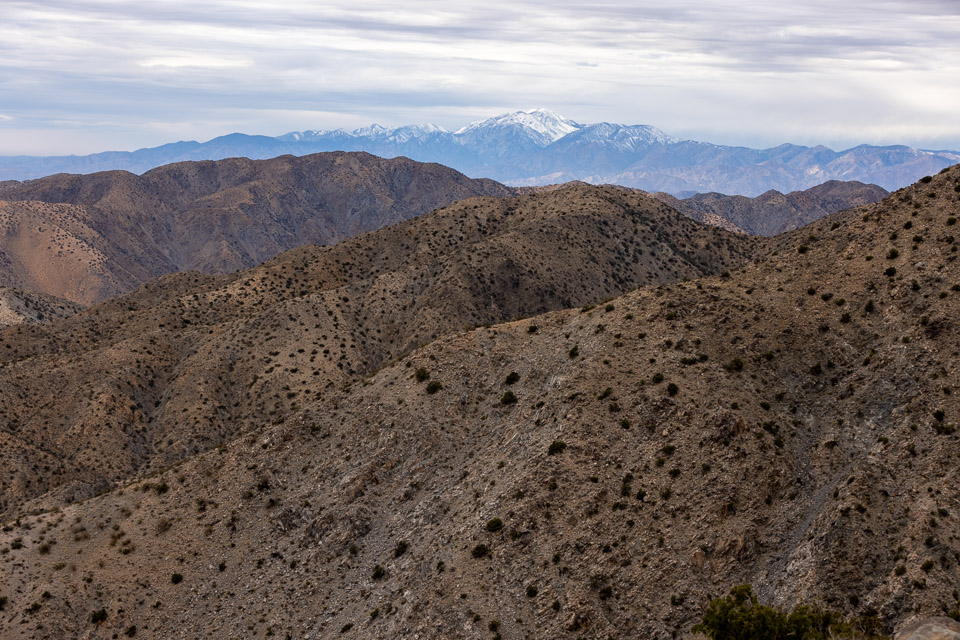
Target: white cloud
736, 72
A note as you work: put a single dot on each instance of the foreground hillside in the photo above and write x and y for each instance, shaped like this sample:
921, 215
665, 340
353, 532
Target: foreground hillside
91, 237
188, 361
595, 472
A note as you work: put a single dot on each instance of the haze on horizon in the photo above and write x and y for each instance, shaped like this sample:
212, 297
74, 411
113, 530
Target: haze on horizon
94, 75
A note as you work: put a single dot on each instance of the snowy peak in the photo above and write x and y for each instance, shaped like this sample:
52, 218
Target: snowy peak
541, 125
624, 135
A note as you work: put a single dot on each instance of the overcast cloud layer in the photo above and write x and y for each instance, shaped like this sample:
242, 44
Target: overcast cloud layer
79, 76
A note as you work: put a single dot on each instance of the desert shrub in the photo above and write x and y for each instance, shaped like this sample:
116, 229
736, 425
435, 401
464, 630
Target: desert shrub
421, 374
176, 578
740, 616
734, 365
378, 572
400, 549
98, 616
557, 446
512, 377
494, 525
508, 398
434, 386
672, 389
480, 551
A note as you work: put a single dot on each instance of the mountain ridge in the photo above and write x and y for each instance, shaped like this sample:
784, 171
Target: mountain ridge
90, 237
537, 146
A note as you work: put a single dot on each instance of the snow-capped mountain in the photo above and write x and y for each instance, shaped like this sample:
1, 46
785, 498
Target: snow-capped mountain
539, 146
540, 126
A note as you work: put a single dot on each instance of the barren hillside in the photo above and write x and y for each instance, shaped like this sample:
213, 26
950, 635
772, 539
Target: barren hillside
188, 361
112, 231
594, 472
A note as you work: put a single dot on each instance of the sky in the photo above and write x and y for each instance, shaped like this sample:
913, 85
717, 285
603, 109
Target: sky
81, 76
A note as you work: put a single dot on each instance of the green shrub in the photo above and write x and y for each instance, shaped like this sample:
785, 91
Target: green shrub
508, 398
557, 446
740, 616
421, 374
480, 551
494, 525
434, 386
672, 389
512, 377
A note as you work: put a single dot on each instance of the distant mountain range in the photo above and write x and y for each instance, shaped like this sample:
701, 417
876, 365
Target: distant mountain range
538, 147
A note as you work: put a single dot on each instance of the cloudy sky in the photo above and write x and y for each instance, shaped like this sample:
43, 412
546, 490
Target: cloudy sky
79, 76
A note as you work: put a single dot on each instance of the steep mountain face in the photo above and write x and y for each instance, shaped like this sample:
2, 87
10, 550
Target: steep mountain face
189, 361
18, 306
773, 213
102, 234
594, 472
538, 147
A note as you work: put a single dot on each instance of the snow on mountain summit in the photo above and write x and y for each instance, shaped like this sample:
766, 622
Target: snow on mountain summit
543, 125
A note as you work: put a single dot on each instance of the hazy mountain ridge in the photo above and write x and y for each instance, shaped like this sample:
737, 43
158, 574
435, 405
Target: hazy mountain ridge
591, 472
772, 213
538, 146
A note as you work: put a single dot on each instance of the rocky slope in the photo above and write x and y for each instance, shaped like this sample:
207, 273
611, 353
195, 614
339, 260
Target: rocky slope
594, 472
186, 362
18, 306
772, 213
102, 234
